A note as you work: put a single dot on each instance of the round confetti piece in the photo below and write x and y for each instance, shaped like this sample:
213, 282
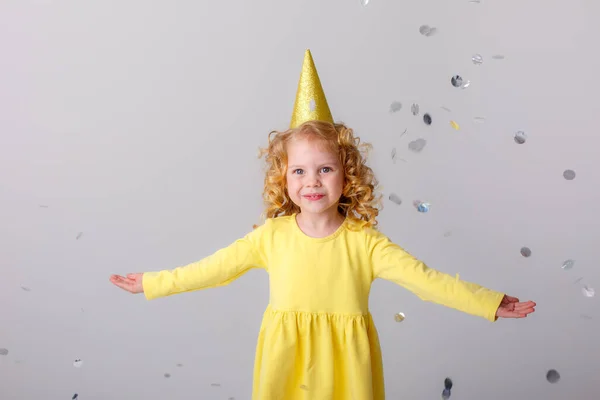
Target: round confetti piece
569, 174
454, 125
395, 106
448, 383
399, 317
422, 207
525, 251
3, 352
414, 109
77, 363
427, 119
457, 81
552, 376
477, 59
520, 137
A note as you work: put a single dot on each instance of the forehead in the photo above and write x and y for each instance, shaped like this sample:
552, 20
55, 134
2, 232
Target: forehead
315, 149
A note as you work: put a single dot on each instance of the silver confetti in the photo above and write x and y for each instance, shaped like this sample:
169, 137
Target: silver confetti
167, 375
79, 235
395, 106
477, 59
421, 207
479, 119
569, 174
313, 105
427, 30
525, 251
456, 81
417, 145
399, 317
25, 288
414, 109
466, 85
552, 376
446, 109
498, 57
520, 137
77, 363
588, 291
395, 198
427, 119
568, 264
3, 352
364, 2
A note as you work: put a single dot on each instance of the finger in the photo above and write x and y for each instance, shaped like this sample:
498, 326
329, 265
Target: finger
527, 304
123, 283
133, 276
511, 299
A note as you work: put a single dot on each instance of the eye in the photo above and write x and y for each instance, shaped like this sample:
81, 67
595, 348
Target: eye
296, 171
326, 169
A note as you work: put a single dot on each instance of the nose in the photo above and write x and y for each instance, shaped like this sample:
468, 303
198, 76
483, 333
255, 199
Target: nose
313, 179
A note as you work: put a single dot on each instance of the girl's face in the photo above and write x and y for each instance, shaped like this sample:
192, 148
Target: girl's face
315, 177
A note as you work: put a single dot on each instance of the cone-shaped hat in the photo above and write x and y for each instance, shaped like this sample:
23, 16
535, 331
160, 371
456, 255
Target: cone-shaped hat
310, 104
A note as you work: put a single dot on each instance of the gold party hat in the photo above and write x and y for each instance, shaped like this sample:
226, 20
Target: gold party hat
310, 104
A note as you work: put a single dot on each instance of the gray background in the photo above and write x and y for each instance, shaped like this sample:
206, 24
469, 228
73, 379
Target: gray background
136, 123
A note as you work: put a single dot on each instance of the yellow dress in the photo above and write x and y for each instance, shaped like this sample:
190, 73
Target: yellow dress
317, 340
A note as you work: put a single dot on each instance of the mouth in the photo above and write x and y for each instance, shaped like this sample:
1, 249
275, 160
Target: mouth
313, 197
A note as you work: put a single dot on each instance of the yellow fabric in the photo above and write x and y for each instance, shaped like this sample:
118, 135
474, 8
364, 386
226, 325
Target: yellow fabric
317, 340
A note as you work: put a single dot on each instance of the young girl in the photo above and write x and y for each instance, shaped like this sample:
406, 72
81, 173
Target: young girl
321, 250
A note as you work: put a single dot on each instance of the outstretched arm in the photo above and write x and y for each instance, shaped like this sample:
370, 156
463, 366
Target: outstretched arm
391, 262
219, 269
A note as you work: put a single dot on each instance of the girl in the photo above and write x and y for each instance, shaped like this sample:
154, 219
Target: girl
321, 250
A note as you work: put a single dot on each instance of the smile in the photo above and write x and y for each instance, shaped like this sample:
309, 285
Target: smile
314, 196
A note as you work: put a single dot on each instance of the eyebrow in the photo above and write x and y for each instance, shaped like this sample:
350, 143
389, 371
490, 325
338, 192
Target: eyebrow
322, 165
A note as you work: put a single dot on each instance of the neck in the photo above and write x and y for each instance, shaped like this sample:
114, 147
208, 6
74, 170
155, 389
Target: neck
322, 223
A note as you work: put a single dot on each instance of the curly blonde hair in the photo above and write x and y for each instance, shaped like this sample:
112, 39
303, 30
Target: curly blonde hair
358, 202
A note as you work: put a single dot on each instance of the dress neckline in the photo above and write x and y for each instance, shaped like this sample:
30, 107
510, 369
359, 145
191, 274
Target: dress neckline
332, 236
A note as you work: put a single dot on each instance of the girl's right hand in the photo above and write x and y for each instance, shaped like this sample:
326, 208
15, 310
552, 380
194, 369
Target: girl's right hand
132, 282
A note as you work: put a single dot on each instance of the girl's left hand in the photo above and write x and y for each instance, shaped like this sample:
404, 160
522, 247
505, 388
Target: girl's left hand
510, 307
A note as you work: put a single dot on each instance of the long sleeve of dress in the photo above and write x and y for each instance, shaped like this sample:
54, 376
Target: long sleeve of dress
392, 263
219, 269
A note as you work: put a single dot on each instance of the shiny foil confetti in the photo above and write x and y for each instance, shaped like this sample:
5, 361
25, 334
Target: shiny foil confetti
417, 145
3, 352
498, 57
447, 392
588, 291
427, 119
568, 264
77, 363
395, 106
466, 85
167, 375
421, 207
454, 125
399, 317
427, 30
394, 198
364, 3
75, 396
520, 137
456, 81
414, 109
446, 109
479, 120
569, 174
394, 154
552, 376
525, 251
79, 235
477, 59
